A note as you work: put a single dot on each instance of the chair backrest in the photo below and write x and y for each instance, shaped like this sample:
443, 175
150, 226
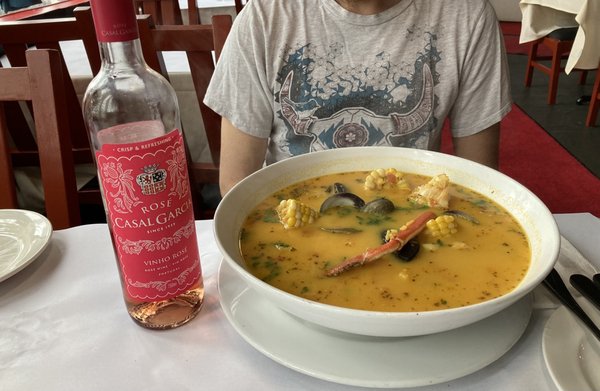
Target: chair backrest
168, 12
162, 11
239, 5
41, 83
202, 45
16, 38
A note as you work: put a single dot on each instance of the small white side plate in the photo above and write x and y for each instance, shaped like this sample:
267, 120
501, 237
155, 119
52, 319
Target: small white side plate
571, 351
23, 236
367, 361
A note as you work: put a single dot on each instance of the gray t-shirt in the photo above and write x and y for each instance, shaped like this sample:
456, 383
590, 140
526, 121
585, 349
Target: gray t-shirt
310, 75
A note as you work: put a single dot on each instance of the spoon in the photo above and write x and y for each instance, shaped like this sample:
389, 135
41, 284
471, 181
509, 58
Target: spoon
587, 288
556, 285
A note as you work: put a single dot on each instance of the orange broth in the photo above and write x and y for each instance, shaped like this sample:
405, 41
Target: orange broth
477, 263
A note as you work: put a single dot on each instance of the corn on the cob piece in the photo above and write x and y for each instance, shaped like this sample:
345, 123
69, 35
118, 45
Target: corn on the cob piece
385, 178
441, 226
293, 214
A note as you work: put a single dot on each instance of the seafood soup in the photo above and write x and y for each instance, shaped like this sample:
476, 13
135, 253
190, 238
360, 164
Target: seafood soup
385, 241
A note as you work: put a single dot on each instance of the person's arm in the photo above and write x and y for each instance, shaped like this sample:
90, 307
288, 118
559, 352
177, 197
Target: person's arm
481, 147
241, 155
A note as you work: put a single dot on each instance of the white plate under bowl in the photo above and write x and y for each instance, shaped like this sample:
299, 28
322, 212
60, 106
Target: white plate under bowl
382, 362
23, 236
571, 351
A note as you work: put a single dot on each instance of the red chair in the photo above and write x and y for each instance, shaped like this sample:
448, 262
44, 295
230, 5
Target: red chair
560, 43
594, 101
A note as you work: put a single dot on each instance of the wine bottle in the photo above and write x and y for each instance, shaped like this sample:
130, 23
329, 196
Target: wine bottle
132, 117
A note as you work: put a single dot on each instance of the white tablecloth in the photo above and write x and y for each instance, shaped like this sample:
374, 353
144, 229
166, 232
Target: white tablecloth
63, 326
540, 17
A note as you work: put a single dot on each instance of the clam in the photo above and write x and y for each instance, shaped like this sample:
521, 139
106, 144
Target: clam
342, 199
380, 206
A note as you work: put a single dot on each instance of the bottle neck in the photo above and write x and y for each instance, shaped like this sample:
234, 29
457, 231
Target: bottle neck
122, 54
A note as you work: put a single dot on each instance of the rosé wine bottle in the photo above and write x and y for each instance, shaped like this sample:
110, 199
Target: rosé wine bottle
132, 116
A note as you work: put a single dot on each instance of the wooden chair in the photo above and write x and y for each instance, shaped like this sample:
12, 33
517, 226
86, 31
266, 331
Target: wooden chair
199, 42
168, 11
594, 101
164, 11
560, 43
16, 38
41, 82
239, 5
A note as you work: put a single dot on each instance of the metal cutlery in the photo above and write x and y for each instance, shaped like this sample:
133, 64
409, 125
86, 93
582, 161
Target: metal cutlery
557, 286
587, 287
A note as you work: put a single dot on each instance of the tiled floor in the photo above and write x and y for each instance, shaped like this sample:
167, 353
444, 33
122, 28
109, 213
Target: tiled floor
565, 121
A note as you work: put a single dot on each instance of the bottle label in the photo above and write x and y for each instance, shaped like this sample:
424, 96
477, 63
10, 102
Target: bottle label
147, 194
114, 20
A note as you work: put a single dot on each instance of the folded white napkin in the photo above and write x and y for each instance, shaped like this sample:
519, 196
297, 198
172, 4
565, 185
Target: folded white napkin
570, 261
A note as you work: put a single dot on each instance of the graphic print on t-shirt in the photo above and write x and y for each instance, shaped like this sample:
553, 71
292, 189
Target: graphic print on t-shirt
327, 103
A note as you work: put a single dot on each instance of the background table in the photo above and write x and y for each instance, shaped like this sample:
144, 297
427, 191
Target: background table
43, 7
540, 17
63, 326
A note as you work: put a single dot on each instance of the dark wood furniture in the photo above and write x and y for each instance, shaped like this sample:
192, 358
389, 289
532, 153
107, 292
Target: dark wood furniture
16, 38
41, 83
163, 11
199, 42
40, 9
169, 12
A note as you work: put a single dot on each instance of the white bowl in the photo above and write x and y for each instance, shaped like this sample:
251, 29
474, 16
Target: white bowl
532, 214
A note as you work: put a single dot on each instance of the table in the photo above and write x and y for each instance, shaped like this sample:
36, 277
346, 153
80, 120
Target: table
42, 7
63, 326
540, 17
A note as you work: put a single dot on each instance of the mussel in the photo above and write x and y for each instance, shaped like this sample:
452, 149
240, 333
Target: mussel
380, 206
342, 199
408, 251
377, 206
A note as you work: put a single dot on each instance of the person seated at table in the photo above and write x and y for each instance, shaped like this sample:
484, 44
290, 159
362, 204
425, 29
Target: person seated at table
307, 75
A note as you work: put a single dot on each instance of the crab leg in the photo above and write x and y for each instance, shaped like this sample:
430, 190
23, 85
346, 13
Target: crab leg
412, 229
